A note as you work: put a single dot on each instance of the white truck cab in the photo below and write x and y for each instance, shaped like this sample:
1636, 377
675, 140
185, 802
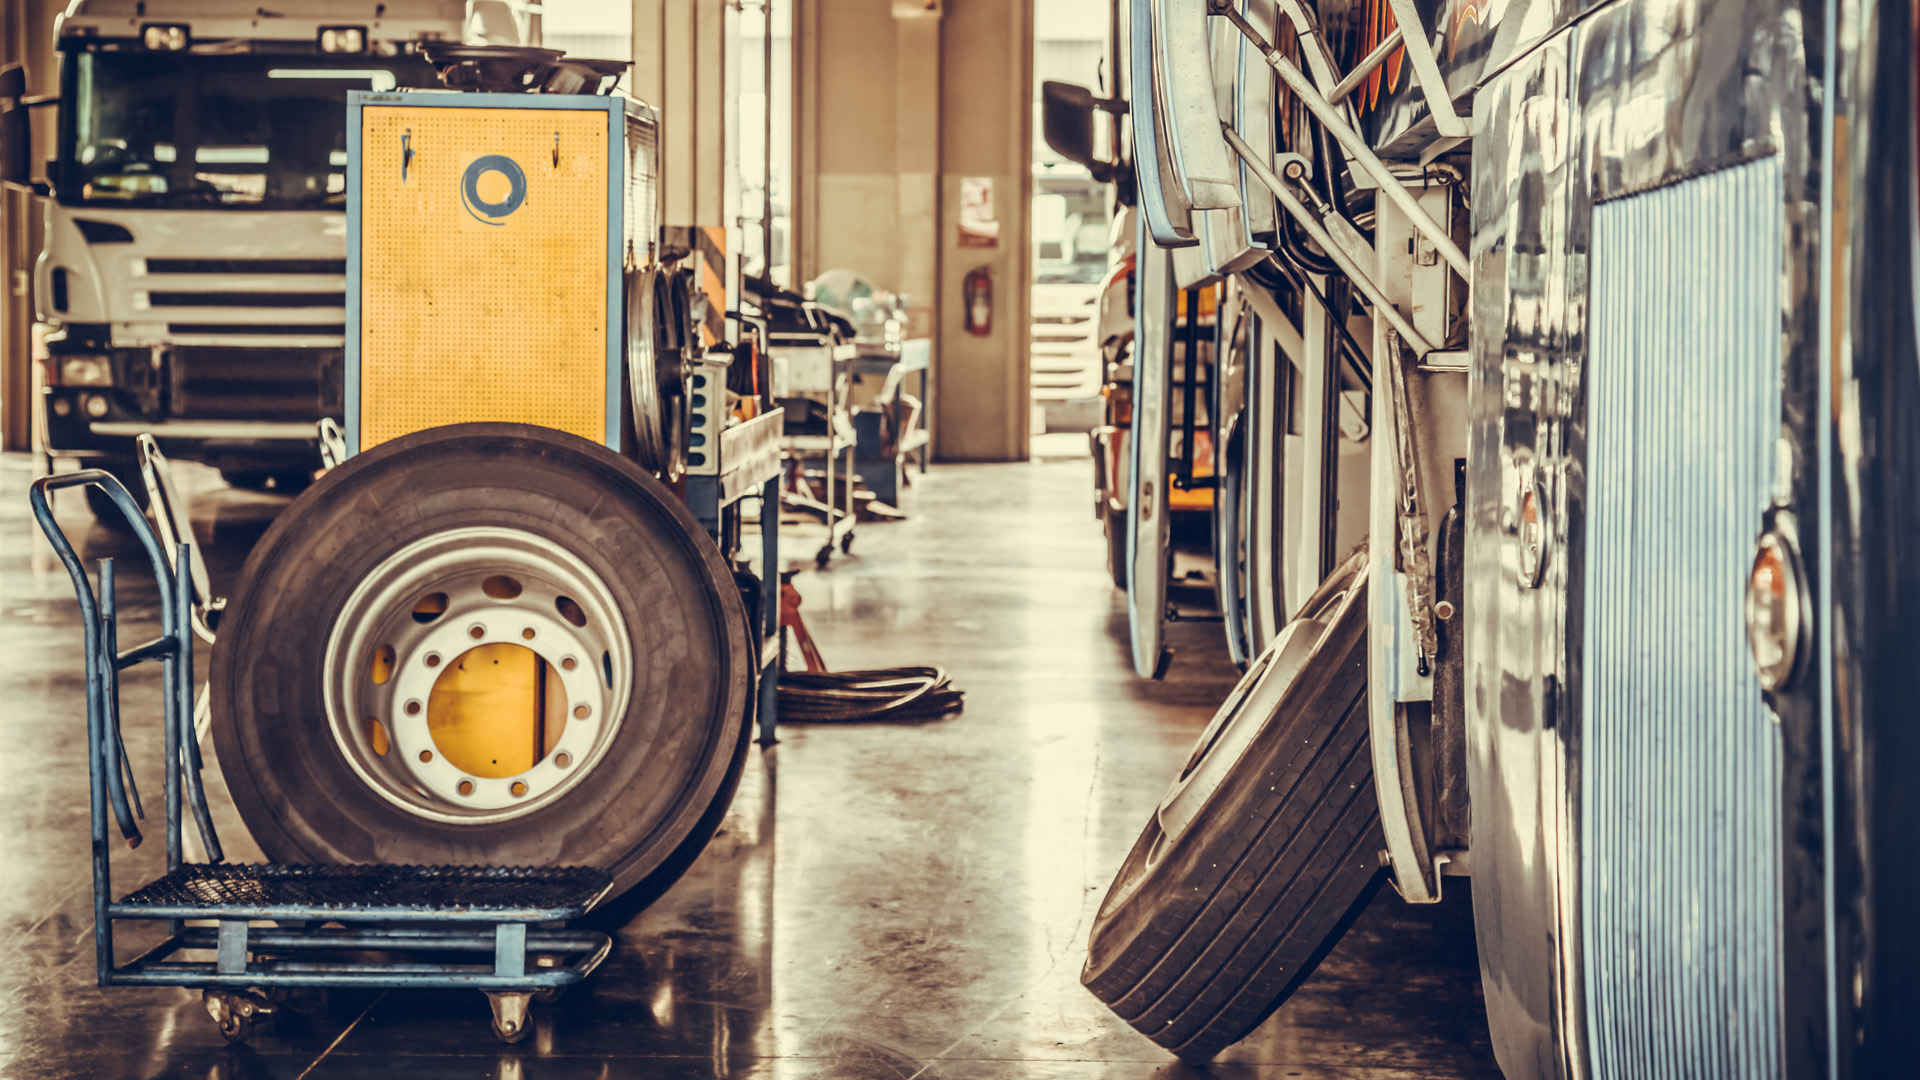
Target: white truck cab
194, 273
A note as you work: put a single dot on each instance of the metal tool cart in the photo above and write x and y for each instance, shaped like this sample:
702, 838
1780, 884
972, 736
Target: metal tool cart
743, 462
811, 356
273, 926
879, 465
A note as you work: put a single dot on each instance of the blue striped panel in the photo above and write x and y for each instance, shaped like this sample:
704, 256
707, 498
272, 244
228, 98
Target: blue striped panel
1680, 757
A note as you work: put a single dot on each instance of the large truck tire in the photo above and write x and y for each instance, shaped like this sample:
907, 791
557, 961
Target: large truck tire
102, 506
1264, 850
361, 709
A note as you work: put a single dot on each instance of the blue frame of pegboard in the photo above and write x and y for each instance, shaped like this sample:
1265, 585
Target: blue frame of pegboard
615, 108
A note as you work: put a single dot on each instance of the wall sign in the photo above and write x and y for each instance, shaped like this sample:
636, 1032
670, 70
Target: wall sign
978, 227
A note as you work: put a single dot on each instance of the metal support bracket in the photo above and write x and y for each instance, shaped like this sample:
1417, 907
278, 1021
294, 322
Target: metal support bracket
1357, 147
1361, 278
1415, 560
172, 520
231, 949
1312, 43
509, 949
1365, 68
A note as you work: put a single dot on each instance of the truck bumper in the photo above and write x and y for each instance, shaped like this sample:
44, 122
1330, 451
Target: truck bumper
246, 409
244, 445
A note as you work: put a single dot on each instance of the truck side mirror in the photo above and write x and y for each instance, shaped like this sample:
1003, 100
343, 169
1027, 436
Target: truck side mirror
16, 133
1066, 119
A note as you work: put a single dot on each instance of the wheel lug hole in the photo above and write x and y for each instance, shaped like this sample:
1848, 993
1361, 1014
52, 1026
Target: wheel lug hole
519, 788
568, 663
413, 708
466, 787
433, 659
476, 631
527, 634
426, 756
563, 759
581, 712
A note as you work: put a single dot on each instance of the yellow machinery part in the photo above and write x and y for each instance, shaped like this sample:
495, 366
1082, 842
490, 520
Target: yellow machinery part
467, 316
1194, 499
491, 713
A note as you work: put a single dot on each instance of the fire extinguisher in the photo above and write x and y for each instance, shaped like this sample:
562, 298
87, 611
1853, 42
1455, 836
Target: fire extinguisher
978, 292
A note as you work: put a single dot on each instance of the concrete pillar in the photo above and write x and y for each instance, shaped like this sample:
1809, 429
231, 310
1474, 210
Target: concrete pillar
683, 55
26, 37
895, 101
686, 60
986, 131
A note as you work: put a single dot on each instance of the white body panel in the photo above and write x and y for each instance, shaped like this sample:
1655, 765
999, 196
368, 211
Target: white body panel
112, 283
393, 20
1065, 344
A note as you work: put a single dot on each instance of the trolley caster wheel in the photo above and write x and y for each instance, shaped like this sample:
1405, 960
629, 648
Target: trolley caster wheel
236, 1013
510, 1020
551, 994
824, 556
846, 544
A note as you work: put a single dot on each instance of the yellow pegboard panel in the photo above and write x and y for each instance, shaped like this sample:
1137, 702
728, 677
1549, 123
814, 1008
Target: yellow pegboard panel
477, 304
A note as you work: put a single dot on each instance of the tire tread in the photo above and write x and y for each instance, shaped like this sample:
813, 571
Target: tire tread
1282, 858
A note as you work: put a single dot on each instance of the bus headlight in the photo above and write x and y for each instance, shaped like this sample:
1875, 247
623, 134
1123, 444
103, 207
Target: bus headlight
96, 405
164, 37
343, 39
86, 371
1776, 610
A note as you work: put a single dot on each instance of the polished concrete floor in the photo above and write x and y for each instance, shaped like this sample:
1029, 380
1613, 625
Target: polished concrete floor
884, 902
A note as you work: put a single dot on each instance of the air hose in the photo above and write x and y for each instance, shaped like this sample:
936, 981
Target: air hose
904, 695
899, 695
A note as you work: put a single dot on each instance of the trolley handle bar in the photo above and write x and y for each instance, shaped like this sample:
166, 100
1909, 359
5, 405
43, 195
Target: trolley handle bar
106, 757
105, 660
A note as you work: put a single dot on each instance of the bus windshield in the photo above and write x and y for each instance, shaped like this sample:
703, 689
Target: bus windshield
184, 130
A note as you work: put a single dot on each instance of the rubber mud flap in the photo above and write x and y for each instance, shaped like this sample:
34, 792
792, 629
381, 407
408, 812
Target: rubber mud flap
641, 810
1263, 852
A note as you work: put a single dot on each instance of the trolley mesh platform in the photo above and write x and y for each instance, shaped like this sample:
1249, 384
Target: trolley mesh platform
493, 929
513, 893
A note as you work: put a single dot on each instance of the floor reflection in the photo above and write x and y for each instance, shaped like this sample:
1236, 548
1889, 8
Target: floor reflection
880, 901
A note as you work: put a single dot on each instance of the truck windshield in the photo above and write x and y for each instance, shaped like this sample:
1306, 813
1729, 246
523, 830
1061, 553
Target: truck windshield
186, 130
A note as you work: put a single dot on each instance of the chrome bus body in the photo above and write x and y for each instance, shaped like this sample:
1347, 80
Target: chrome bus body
1690, 228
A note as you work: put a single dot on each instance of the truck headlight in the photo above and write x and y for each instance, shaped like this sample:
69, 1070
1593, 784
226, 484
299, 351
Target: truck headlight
343, 39
164, 37
86, 371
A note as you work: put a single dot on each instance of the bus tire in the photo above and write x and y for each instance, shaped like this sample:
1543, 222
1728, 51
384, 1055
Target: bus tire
1114, 524
1206, 932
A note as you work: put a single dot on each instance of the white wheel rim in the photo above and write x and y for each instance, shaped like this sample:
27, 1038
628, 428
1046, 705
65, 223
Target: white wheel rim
593, 661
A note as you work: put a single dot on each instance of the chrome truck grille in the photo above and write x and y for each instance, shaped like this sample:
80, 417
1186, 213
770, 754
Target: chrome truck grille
1680, 757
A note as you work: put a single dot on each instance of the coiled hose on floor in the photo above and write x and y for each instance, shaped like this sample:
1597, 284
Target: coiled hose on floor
894, 695
899, 695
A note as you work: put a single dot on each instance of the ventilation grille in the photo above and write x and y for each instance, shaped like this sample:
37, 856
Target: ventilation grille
1680, 757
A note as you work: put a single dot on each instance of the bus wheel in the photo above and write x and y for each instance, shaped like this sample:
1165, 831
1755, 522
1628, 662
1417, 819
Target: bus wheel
1114, 524
1263, 851
484, 644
